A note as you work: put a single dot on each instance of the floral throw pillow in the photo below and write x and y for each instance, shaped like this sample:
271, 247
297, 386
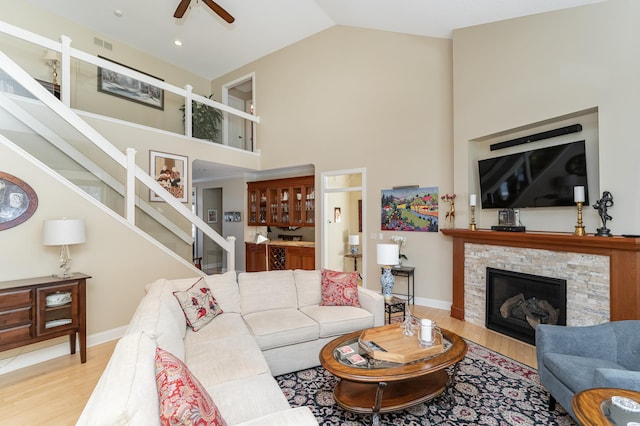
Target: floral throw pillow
183, 400
339, 288
198, 304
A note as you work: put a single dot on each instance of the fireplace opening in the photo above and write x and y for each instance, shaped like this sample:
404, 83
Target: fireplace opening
517, 302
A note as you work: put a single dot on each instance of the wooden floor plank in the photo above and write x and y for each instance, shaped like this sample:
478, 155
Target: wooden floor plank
55, 392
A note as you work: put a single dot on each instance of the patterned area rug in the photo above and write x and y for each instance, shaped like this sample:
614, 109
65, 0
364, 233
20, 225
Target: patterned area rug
490, 389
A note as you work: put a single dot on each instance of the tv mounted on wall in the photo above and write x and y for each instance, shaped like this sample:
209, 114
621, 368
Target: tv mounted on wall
542, 177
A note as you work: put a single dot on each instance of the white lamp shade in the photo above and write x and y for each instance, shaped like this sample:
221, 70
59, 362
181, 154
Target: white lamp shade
61, 232
354, 240
388, 254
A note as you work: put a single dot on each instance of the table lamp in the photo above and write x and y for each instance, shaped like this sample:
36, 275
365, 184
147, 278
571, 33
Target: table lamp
63, 232
354, 242
387, 256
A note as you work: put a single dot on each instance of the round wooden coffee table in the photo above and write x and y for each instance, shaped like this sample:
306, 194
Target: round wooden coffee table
382, 387
587, 405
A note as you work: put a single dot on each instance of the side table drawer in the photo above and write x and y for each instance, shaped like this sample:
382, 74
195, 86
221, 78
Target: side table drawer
15, 317
16, 334
15, 299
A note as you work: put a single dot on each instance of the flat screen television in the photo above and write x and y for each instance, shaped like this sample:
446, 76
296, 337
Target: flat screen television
542, 177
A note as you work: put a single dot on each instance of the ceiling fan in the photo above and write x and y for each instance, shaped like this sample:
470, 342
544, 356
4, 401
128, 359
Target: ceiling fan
184, 5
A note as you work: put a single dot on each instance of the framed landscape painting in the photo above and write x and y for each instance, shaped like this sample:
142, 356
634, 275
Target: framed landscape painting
409, 209
116, 84
171, 172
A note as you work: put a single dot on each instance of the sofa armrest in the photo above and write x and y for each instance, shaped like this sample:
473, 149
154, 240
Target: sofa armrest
594, 341
300, 416
621, 379
373, 302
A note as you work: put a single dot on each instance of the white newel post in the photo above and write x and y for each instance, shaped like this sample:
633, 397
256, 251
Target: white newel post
231, 254
188, 111
65, 70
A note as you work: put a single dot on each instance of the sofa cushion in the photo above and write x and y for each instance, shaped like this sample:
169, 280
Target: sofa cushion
281, 327
308, 287
339, 288
126, 393
198, 304
338, 320
225, 289
249, 398
224, 325
265, 291
183, 400
221, 360
576, 372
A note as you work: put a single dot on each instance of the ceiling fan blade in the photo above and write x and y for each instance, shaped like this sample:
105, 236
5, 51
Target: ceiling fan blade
181, 9
219, 10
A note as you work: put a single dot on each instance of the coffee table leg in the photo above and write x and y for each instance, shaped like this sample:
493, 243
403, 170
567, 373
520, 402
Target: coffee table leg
447, 400
375, 421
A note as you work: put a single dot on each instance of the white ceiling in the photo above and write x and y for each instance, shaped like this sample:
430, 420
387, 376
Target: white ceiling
211, 47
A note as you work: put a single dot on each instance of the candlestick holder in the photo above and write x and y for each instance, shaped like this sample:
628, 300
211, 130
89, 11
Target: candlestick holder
472, 225
580, 231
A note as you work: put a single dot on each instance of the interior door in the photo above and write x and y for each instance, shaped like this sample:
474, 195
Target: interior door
236, 136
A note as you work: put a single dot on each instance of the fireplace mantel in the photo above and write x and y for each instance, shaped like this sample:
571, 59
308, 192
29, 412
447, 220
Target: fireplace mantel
624, 257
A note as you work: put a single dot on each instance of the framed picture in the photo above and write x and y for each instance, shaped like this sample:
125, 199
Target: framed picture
18, 201
409, 209
232, 217
120, 85
212, 216
171, 172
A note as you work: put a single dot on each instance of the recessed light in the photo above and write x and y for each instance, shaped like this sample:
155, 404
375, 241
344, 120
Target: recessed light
177, 42
117, 12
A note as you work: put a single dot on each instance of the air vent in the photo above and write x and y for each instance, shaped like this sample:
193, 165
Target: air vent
105, 44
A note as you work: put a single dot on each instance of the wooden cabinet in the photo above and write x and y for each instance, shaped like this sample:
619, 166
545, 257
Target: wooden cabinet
256, 257
282, 202
37, 309
291, 257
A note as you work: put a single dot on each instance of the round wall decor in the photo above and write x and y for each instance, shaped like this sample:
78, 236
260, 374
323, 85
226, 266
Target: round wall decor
18, 201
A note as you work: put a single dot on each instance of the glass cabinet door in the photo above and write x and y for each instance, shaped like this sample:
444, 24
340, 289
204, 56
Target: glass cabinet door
274, 211
297, 203
254, 206
310, 204
58, 307
284, 205
262, 218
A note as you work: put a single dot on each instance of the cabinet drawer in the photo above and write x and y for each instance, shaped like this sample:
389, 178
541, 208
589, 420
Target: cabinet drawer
15, 334
15, 317
15, 299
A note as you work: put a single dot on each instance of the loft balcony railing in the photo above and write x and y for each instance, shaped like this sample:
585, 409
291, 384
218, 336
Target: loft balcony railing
69, 54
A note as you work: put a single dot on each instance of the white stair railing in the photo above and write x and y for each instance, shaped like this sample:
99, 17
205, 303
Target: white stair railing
26, 81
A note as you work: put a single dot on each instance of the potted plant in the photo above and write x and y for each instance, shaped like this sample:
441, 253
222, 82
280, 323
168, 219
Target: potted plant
206, 121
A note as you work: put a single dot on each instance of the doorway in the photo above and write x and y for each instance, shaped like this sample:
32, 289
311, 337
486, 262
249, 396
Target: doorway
343, 214
239, 94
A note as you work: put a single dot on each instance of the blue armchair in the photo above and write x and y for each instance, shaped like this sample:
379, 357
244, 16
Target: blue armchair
572, 359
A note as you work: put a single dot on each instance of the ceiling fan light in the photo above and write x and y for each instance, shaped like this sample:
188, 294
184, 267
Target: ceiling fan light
177, 42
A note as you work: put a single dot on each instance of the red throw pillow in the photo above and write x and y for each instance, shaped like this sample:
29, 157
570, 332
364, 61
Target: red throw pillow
183, 400
198, 304
339, 288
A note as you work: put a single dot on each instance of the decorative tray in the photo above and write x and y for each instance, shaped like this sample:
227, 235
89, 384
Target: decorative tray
387, 343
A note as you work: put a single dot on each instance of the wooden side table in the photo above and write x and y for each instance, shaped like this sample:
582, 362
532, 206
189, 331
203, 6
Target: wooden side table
37, 309
587, 405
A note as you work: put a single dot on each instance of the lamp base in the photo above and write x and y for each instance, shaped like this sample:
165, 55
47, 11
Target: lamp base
387, 280
354, 250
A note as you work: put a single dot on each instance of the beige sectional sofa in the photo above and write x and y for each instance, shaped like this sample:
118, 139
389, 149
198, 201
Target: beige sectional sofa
272, 323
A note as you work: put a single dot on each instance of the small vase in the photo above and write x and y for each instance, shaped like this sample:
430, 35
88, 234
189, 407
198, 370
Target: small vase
387, 280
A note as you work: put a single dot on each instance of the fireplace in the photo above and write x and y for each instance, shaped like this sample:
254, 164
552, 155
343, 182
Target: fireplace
517, 302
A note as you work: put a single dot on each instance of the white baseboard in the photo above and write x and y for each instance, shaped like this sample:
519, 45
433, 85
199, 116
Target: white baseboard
432, 303
28, 359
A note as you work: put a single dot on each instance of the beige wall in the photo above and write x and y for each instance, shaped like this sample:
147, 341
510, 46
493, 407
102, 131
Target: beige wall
510, 74
348, 98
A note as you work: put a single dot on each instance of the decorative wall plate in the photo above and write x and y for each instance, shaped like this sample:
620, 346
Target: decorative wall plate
18, 201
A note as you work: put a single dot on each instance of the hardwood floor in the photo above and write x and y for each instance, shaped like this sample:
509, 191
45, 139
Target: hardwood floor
55, 392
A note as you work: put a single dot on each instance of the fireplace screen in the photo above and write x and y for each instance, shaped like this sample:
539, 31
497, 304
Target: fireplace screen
517, 302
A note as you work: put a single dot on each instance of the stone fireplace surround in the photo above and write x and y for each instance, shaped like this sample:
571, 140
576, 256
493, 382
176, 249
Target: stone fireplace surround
587, 278
599, 270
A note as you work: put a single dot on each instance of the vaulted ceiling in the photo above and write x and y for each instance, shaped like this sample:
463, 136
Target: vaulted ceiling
211, 47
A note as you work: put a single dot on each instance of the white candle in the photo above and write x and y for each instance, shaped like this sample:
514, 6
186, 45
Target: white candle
472, 200
578, 194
